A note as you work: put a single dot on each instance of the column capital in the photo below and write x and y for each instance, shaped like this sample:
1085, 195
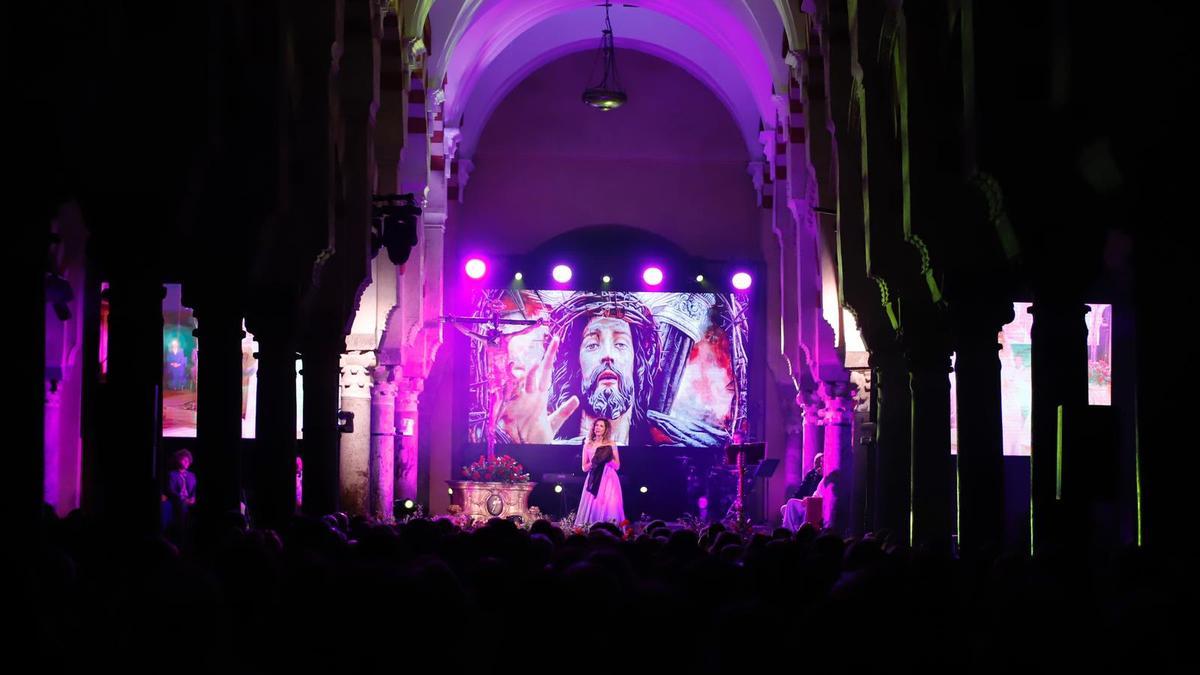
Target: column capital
810, 402
355, 373
839, 402
384, 385
928, 358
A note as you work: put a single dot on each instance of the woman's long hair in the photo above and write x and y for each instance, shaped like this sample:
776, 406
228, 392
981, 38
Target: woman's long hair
607, 430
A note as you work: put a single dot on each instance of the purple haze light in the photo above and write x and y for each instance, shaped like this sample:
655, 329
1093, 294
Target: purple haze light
561, 273
476, 268
653, 276
741, 281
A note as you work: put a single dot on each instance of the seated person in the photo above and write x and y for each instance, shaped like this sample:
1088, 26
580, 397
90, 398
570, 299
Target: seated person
793, 510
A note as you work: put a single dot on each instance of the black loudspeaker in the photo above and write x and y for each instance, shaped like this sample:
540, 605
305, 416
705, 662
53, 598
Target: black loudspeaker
1089, 466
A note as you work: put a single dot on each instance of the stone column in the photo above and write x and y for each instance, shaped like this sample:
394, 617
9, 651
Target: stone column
838, 487
131, 404
383, 444
407, 435
980, 436
53, 451
322, 353
893, 443
814, 432
354, 449
275, 428
793, 452
218, 408
932, 476
1059, 373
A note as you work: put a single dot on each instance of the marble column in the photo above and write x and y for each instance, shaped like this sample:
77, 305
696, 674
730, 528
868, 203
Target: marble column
218, 408
980, 435
407, 436
383, 444
131, 404
275, 428
322, 354
837, 489
932, 469
1059, 374
893, 443
354, 448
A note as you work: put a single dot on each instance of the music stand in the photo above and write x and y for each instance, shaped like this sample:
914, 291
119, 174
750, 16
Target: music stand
742, 454
754, 453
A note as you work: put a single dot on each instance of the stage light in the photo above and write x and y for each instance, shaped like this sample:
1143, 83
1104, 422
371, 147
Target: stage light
561, 273
557, 489
699, 278
606, 278
741, 281
702, 502
449, 491
405, 509
518, 276
476, 268
652, 276
643, 489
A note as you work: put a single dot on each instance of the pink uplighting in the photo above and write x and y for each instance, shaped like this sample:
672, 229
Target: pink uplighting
561, 273
476, 268
652, 276
741, 281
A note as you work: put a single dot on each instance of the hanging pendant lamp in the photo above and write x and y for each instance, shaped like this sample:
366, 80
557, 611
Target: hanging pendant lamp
607, 94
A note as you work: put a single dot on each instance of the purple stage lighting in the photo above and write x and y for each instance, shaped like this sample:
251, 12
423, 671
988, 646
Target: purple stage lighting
476, 268
561, 274
652, 276
741, 281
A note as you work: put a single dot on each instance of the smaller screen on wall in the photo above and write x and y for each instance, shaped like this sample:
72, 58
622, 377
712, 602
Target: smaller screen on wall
1016, 374
181, 365
181, 373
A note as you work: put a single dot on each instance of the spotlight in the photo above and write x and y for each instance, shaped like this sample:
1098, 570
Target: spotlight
606, 278
643, 489
741, 281
699, 278
476, 268
561, 273
557, 489
449, 491
518, 276
405, 508
652, 276
702, 502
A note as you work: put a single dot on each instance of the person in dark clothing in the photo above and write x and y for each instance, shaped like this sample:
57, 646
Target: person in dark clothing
181, 494
793, 511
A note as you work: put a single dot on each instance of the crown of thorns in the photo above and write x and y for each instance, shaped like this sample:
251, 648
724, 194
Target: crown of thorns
625, 306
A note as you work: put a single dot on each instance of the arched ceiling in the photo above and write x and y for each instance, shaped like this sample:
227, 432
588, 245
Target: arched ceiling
484, 48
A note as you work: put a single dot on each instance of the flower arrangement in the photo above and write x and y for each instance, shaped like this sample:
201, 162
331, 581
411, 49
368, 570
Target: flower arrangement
502, 469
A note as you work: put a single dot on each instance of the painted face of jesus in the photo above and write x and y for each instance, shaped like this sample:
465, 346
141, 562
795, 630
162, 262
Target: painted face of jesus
606, 361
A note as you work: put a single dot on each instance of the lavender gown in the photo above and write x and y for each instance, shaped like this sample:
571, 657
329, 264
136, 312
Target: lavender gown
606, 505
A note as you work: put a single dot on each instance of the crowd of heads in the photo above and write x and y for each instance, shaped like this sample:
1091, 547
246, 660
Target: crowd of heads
345, 592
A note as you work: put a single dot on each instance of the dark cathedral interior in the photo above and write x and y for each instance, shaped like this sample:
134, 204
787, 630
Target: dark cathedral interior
759, 334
